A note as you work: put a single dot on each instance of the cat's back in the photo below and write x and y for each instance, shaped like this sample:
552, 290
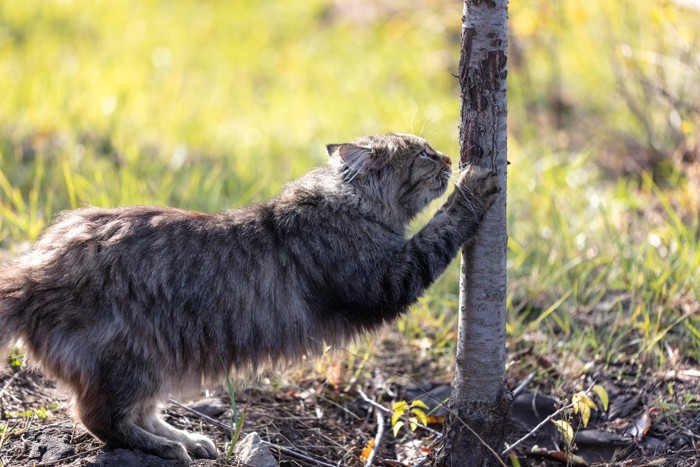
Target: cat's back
321, 204
327, 233
88, 234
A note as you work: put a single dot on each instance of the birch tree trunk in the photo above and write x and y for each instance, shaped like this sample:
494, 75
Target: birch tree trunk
480, 400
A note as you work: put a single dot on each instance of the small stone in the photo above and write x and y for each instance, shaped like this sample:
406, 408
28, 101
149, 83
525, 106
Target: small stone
252, 451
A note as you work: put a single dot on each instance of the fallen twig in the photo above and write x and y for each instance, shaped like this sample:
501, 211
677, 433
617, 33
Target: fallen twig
535, 430
377, 438
296, 454
526, 382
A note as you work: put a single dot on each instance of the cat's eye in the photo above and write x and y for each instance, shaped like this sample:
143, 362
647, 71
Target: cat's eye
426, 155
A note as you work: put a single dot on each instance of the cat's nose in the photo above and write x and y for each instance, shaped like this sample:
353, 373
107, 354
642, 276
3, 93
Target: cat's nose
446, 159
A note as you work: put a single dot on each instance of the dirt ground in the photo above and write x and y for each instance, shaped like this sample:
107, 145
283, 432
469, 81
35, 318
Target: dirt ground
652, 419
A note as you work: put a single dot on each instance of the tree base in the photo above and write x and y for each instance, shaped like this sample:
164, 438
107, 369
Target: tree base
460, 447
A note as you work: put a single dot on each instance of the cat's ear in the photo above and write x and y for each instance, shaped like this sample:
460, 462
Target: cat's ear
332, 148
358, 158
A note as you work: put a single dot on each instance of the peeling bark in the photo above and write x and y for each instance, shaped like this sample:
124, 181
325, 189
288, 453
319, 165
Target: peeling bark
480, 398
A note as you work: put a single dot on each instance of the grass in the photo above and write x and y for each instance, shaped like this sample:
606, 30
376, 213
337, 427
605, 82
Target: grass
625, 264
212, 105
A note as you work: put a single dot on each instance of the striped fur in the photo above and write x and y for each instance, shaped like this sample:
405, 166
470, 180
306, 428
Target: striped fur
126, 305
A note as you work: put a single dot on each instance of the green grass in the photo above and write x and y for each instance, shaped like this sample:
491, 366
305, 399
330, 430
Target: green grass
209, 105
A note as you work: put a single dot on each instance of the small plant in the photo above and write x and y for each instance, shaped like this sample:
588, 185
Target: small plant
582, 405
236, 418
16, 358
413, 410
40, 413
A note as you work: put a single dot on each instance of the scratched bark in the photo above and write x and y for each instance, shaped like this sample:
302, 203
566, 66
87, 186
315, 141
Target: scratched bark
482, 74
479, 396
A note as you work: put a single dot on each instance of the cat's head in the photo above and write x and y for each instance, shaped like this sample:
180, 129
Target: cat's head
400, 170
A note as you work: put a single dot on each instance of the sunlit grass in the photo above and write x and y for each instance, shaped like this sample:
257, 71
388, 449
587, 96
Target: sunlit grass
608, 264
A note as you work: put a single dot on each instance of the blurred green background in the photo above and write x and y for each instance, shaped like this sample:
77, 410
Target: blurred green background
208, 105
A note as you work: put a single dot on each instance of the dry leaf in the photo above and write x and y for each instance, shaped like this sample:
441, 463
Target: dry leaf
583, 405
334, 374
640, 427
435, 419
364, 455
560, 456
566, 431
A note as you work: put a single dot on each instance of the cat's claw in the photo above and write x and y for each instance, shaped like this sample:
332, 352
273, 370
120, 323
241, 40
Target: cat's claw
201, 447
479, 187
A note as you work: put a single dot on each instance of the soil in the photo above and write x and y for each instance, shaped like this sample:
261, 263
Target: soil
652, 419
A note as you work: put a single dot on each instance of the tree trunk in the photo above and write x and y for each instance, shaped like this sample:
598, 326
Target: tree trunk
480, 401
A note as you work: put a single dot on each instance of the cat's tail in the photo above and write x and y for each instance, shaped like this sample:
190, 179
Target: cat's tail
12, 292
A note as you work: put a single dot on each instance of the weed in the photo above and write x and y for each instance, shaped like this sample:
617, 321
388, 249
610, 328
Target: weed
237, 419
41, 413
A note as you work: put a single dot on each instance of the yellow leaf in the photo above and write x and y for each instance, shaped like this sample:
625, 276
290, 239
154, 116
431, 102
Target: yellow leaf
364, 455
583, 405
399, 406
586, 400
396, 416
602, 395
585, 415
413, 423
419, 403
566, 431
397, 426
420, 416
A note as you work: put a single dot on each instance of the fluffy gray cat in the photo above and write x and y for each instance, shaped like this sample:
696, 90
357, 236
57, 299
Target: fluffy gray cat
127, 305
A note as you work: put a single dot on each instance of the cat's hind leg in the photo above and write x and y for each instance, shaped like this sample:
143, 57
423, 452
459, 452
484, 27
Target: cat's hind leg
110, 405
119, 430
197, 445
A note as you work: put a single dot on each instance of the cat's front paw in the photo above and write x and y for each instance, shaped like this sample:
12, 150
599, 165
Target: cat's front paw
479, 188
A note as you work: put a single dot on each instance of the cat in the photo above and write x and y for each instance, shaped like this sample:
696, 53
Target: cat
126, 305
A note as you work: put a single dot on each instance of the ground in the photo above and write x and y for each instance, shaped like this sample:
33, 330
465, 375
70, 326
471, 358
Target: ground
652, 418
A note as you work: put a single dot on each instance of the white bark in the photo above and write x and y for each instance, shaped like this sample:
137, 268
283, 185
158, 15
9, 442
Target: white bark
480, 399
480, 370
